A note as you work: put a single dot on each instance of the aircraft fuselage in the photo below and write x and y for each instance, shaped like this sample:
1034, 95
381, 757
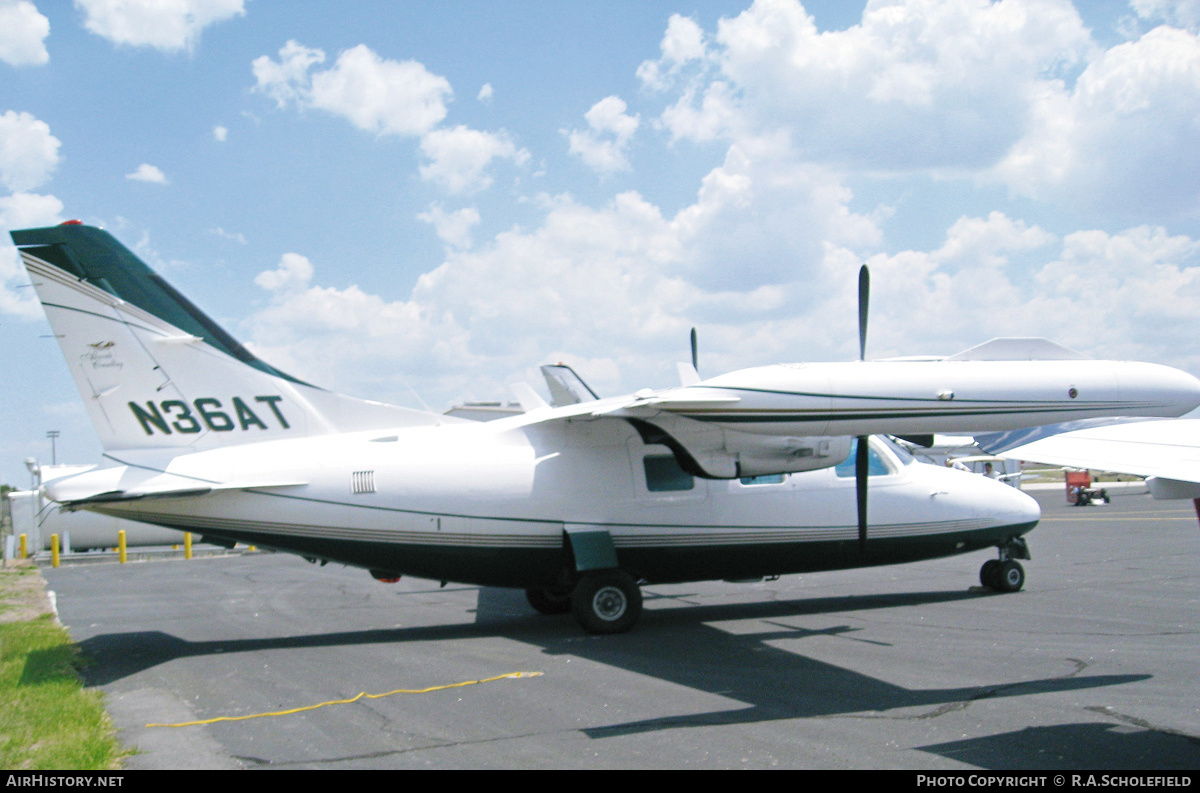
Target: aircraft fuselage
490, 504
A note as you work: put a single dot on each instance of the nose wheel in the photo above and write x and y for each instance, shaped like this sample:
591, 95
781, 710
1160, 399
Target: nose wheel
1006, 574
1001, 576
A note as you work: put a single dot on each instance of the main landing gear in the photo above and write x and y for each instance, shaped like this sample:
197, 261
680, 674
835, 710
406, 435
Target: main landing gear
1006, 574
603, 601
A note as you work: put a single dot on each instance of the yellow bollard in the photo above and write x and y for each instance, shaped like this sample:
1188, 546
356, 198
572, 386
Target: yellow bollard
187, 545
24, 547
121, 546
54, 550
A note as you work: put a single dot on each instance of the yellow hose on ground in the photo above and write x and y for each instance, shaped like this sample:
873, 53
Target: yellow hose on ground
361, 695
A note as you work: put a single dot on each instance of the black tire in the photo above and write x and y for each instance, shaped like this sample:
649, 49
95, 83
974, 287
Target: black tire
607, 601
1010, 576
549, 601
987, 574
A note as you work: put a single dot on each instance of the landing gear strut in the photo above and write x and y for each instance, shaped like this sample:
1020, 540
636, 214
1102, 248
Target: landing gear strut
1006, 574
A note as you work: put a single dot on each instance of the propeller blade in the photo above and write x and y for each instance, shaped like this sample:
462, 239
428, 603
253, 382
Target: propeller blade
695, 355
864, 300
861, 467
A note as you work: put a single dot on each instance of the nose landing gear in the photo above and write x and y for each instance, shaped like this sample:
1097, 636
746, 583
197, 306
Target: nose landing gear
1006, 574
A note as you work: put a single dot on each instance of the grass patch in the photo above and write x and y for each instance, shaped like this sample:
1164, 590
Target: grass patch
48, 720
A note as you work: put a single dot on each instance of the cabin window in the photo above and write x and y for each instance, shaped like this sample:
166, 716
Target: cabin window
875, 464
765, 479
663, 474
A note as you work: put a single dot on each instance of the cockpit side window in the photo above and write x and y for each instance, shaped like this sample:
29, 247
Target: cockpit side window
902, 454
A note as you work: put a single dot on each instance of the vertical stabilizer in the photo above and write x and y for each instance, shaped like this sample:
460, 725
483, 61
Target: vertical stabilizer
155, 371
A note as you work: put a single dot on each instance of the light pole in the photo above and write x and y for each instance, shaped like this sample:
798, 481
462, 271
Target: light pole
52, 434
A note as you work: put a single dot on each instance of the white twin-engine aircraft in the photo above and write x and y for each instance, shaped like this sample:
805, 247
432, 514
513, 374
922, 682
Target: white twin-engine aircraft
755, 473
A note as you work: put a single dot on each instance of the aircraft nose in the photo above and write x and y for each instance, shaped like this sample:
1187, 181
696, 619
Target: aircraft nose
1010, 506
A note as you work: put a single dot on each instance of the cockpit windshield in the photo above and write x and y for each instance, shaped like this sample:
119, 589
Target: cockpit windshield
903, 455
875, 464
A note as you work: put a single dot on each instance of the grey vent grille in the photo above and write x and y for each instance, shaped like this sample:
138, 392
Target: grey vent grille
362, 482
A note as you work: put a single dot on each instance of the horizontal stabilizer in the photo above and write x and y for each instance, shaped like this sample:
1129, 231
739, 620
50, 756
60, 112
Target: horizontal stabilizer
529, 399
177, 492
125, 483
566, 386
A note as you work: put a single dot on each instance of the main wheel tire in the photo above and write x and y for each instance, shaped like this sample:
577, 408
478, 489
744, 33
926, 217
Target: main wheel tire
987, 574
1010, 576
607, 601
549, 601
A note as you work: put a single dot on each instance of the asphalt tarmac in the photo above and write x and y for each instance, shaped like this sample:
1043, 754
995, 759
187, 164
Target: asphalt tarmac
1092, 666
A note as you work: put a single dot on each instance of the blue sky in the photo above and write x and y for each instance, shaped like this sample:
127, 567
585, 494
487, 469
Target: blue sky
387, 198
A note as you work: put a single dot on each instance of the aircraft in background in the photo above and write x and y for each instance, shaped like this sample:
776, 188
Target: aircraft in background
760, 472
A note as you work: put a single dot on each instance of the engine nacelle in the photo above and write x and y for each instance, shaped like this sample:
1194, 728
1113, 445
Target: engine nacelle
720, 453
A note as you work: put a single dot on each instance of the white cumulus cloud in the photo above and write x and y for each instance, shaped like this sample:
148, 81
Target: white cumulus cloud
23, 30
29, 210
20, 211
28, 156
915, 84
166, 25
614, 286
458, 157
294, 272
375, 94
147, 173
28, 152
1125, 138
603, 145
683, 43
220, 133
1182, 13
453, 228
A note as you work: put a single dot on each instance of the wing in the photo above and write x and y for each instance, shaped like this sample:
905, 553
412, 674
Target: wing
1168, 451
